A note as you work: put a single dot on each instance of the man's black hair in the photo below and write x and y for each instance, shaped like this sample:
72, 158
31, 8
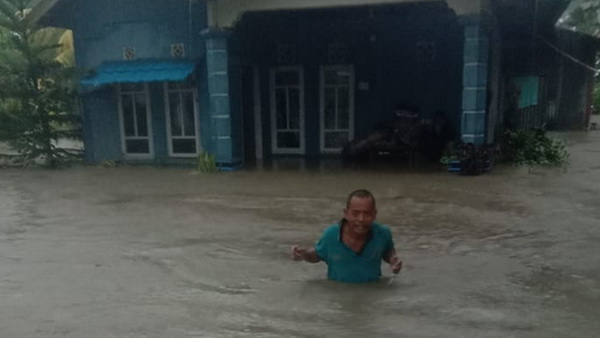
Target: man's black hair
360, 193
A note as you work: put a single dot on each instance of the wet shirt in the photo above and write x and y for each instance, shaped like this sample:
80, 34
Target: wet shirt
345, 265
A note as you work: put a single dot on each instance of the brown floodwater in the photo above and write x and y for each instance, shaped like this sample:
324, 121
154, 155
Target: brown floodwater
166, 252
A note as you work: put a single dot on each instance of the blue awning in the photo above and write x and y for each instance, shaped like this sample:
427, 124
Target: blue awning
137, 71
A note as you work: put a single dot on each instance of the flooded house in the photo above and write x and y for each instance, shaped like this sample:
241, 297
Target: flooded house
252, 80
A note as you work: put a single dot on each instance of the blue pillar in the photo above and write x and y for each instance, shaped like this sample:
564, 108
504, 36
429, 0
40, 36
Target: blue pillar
475, 81
219, 98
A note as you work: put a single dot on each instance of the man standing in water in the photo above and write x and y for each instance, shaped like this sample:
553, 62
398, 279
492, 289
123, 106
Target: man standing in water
354, 247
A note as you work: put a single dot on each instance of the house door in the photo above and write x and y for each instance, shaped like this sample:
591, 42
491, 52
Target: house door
337, 107
287, 110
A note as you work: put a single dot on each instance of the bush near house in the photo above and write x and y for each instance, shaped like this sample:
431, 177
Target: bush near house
207, 163
535, 148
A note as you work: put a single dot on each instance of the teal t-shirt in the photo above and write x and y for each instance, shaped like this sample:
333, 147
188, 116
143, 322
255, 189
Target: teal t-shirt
345, 265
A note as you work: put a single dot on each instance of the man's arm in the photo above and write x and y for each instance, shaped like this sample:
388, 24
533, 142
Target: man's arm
393, 260
303, 254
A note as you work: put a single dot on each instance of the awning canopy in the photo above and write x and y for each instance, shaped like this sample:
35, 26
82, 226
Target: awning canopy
137, 71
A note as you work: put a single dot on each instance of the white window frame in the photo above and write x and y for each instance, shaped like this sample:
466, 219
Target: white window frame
350, 130
194, 92
124, 138
273, 89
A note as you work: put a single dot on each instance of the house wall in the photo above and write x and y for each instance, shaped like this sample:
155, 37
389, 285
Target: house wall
563, 96
103, 28
226, 13
575, 81
381, 42
102, 137
382, 46
562, 101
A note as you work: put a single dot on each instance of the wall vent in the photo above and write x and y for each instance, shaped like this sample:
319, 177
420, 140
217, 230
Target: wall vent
128, 53
337, 53
286, 54
426, 50
178, 50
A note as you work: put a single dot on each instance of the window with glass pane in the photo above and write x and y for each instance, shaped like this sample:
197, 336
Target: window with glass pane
137, 146
182, 118
281, 104
175, 114
336, 140
343, 108
287, 110
294, 108
329, 109
140, 114
134, 119
336, 91
288, 140
189, 125
128, 115
184, 146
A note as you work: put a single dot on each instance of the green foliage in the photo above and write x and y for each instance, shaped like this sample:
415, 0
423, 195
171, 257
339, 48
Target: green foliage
207, 163
109, 164
582, 16
534, 148
37, 93
446, 159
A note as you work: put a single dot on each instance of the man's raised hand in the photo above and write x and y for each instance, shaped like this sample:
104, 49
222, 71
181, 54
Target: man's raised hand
298, 253
395, 264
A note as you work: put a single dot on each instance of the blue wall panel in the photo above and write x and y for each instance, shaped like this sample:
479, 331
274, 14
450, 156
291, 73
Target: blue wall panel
475, 81
103, 117
103, 28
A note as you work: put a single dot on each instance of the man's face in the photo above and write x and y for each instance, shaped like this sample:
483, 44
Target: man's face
360, 214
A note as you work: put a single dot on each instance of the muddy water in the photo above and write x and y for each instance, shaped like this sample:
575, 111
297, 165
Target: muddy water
147, 252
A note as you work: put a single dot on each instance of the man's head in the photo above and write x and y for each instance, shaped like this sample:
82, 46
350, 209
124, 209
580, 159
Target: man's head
360, 211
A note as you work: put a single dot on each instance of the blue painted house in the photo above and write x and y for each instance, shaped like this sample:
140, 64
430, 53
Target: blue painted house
248, 80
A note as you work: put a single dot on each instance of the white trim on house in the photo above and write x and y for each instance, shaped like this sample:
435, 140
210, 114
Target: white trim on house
124, 139
322, 87
196, 128
274, 131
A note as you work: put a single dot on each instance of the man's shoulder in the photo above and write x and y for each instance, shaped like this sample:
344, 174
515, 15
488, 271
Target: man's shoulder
381, 228
332, 229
